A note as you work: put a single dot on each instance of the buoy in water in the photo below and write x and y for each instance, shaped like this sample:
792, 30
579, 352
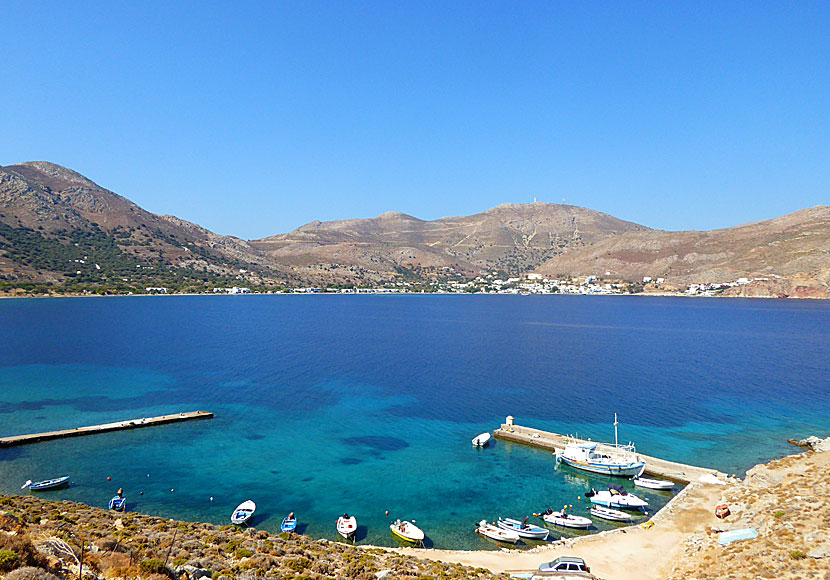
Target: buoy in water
387, 512
140, 493
172, 490
211, 498
109, 478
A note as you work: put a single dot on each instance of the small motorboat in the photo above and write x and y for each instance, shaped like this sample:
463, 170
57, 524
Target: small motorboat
616, 497
347, 526
481, 440
407, 531
524, 529
609, 514
118, 503
496, 533
289, 524
243, 512
564, 519
47, 484
653, 483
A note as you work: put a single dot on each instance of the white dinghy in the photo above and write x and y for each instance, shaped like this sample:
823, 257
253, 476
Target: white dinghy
481, 440
524, 529
653, 483
347, 526
609, 514
564, 519
616, 497
496, 533
243, 512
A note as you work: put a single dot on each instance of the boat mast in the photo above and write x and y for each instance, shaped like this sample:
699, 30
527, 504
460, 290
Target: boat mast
616, 443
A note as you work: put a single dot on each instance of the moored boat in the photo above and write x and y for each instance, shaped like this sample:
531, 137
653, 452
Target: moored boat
616, 497
243, 512
653, 483
347, 526
606, 458
481, 440
496, 533
48, 484
524, 529
564, 519
289, 524
118, 503
609, 514
407, 531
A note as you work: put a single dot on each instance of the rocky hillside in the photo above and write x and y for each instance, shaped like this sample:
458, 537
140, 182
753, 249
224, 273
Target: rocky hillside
42, 540
792, 252
511, 238
788, 503
58, 227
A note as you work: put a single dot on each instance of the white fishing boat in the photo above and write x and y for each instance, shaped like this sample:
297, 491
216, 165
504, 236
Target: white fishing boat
243, 512
407, 531
524, 529
565, 519
496, 533
609, 514
481, 440
47, 484
653, 483
616, 497
605, 458
347, 526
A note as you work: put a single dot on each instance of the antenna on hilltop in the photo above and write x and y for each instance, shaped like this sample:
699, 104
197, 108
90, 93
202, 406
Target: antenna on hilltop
534, 199
563, 201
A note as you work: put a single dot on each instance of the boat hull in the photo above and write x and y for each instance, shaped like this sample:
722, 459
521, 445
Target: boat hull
610, 514
558, 519
56, 483
529, 531
616, 470
118, 504
627, 502
288, 524
657, 484
243, 513
407, 531
497, 534
347, 527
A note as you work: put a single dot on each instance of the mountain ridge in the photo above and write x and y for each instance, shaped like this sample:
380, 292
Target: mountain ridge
53, 221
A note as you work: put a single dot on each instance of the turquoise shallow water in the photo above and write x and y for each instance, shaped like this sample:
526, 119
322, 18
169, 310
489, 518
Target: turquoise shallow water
364, 404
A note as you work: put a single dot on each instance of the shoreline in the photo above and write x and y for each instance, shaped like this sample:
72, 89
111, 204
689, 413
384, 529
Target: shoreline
680, 541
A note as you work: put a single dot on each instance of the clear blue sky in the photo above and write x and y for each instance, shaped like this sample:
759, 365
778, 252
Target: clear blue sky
253, 118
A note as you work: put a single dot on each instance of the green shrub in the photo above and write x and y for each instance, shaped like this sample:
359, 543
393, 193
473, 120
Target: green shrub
155, 566
9, 560
243, 553
797, 555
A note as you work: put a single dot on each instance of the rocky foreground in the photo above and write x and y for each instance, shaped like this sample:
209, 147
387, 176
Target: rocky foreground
46, 540
787, 502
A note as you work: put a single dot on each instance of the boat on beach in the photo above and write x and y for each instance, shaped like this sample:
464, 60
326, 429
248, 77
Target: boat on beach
658, 484
118, 503
347, 526
524, 529
289, 523
609, 514
604, 458
481, 440
407, 531
47, 484
496, 533
243, 512
616, 497
564, 519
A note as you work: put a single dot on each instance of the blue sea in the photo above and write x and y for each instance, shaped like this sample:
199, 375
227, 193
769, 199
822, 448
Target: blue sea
367, 404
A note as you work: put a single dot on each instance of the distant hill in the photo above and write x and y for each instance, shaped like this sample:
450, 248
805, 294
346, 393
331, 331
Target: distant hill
792, 251
508, 238
60, 231
58, 227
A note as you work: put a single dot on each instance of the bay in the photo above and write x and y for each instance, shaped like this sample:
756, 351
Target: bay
363, 404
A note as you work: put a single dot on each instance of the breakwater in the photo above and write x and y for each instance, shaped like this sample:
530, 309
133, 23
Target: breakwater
105, 428
671, 470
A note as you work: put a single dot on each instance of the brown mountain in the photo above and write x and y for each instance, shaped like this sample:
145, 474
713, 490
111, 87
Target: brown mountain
514, 238
792, 251
58, 226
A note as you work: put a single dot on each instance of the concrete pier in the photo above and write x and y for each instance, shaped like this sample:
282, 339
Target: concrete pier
93, 429
673, 471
